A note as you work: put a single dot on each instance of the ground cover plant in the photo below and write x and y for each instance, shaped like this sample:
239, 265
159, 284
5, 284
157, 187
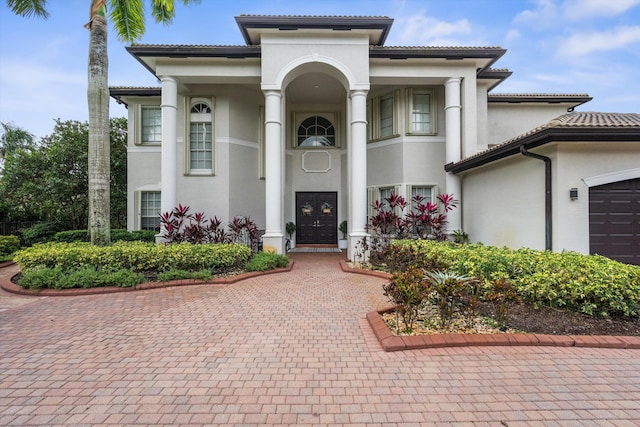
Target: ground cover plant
586, 292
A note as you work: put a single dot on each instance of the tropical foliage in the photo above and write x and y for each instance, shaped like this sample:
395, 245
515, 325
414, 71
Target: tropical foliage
129, 21
593, 285
48, 182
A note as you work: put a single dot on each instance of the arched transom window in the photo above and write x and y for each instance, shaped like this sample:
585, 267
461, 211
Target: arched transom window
200, 138
316, 131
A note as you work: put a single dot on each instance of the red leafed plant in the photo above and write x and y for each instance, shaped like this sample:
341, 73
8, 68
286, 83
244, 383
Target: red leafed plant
181, 226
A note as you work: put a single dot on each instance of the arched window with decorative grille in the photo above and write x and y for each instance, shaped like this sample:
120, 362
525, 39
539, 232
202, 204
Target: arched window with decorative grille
316, 131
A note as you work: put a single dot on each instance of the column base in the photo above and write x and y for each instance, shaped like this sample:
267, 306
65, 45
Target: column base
355, 250
273, 242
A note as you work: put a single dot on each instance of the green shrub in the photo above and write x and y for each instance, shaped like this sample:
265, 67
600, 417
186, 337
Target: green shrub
71, 236
41, 278
591, 284
133, 235
85, 277
266, 261
135, 256
406, 290
41, 232
8, 245
183, 274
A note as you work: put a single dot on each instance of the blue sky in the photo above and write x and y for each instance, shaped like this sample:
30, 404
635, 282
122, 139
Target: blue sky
553, 46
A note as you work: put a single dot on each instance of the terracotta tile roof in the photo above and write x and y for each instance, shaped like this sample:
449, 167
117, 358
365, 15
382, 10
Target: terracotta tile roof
193, 46
438, 48
594, 119
315, 16
574, 126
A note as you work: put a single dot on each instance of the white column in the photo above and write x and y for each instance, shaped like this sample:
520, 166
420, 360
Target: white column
358, 171
453, 147
168, 156
273, 239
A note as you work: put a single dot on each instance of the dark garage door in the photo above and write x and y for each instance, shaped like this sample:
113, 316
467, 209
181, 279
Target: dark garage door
614, 220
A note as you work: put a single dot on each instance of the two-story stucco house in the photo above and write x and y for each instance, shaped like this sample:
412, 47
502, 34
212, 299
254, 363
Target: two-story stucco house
317, 111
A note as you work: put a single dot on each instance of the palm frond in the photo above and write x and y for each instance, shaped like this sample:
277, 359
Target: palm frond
128, 19
29, 8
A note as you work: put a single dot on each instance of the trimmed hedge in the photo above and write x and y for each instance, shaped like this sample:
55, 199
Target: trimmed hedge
591, 284
56, 278
71, 236
135, 256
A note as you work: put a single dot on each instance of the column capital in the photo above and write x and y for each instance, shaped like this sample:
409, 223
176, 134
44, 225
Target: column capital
358, 92
272, 92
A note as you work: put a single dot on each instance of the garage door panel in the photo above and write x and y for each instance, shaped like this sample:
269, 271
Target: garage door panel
614, 220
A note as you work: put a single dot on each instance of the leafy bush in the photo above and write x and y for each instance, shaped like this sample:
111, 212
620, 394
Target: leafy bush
424, 220
181, 226
8, 245
448, 291
266, 261
41, 232
70, 236
407, 290
591, 284
85, 277
183, 274
135, 256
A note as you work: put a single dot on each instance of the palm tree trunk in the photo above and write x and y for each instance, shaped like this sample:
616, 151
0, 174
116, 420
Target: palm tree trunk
98, 99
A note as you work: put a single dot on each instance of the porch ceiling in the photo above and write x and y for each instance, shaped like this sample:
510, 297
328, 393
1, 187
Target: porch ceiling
316, 88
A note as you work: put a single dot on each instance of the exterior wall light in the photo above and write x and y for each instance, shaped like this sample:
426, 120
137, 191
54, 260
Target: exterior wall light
573, 194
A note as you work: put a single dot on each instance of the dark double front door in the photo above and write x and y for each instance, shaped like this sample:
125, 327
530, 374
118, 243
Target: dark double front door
316, 218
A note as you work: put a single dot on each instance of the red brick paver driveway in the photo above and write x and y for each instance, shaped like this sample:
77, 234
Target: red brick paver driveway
291, 349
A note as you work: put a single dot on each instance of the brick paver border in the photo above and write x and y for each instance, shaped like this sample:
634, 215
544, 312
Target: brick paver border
390, 342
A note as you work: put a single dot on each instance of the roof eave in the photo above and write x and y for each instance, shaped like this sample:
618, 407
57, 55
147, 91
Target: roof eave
336, 23
542, 137
450, 54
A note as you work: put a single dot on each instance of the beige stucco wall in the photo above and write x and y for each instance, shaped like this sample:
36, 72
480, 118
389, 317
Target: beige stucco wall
503, 205
506, 121
504, 201
577, 162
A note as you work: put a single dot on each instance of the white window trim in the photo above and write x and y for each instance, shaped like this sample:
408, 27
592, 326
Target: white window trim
409, 113
138, 203
374, 119
299, 117
261, 144
138, 121
409, 196
189, 103
373, 194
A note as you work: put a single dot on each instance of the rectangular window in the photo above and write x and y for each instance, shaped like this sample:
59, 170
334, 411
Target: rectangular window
382, 117
200, 146
151, 130
386, 116
385, 193
425, 192
421, 117
150, 210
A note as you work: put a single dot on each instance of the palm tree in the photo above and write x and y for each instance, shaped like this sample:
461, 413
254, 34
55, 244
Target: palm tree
13, 139
129, 22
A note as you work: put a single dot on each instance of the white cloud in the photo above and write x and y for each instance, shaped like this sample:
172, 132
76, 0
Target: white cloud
544, 15
580, 9
421, 29
587, 42
512, 35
